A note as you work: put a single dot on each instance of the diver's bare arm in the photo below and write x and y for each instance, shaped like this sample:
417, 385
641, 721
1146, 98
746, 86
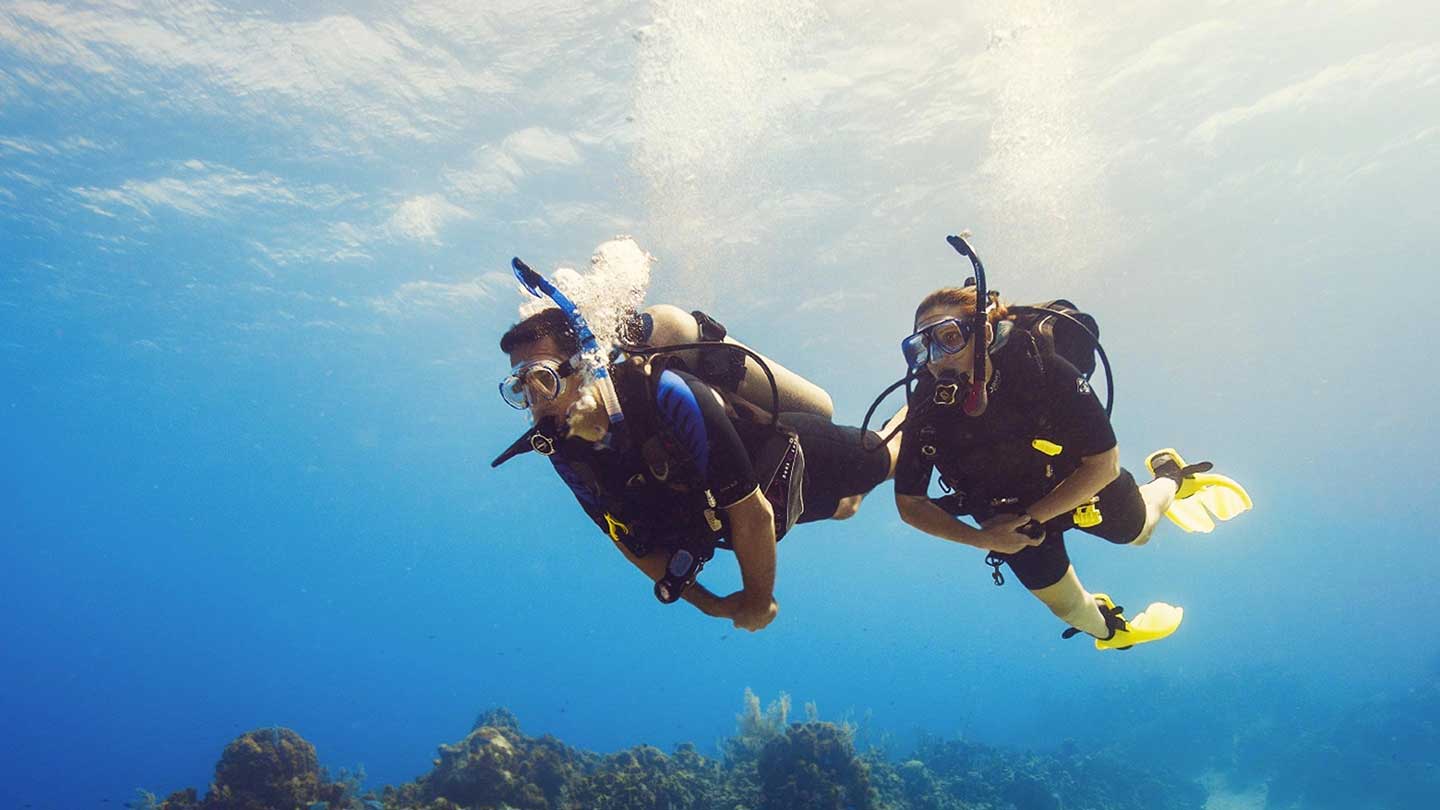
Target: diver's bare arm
752, 536
918, 511
1093, 474
653, 565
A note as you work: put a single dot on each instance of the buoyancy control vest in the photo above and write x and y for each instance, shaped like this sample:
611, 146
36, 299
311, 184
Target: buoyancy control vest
656, 487
1007, 458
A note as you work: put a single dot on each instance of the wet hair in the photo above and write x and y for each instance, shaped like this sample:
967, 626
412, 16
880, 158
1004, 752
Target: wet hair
963, 298
548, 322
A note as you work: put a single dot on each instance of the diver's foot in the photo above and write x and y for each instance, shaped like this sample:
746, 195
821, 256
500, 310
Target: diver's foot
1167, 463
1199, 493
1152, 624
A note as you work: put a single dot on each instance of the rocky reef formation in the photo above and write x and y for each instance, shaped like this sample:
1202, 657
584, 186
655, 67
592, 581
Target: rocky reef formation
814, 765
770, 764
267, 769
958, 775
495, 766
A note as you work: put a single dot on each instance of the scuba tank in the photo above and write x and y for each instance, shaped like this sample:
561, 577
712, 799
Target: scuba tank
745, 373
1060, 327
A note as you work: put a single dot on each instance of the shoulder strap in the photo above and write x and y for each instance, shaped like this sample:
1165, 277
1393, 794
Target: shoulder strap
1062, 328
636, 382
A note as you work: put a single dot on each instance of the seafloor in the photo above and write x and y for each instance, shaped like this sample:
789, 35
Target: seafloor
772, 763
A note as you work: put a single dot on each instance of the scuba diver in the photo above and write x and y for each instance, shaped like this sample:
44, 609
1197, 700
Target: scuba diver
667, 448
1001, 405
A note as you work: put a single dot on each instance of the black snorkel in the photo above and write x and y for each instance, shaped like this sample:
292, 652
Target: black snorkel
978, 398
947, 386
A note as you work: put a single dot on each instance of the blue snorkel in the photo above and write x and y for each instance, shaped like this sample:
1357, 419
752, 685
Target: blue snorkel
592, 357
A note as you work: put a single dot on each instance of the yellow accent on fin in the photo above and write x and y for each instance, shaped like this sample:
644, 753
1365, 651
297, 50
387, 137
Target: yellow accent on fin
1152, 624
1047, 447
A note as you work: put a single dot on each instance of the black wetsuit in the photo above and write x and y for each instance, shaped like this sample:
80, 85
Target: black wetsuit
722, 448
1042, 419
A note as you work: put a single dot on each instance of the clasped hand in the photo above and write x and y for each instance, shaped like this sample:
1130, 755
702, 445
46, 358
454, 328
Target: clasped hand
746, 611
1001, 534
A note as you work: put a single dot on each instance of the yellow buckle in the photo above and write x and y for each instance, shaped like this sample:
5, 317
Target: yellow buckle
615, 528
1047, 447
1087, 515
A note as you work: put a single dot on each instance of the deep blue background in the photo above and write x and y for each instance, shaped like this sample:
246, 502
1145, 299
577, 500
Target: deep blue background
247, 387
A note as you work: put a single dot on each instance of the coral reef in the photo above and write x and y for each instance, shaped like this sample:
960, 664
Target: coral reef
959, 775
495, 766
268, 769
770, 764
814, 767
644, 777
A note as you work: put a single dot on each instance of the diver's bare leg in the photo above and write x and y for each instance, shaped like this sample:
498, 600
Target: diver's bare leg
1074, 605
1158, 495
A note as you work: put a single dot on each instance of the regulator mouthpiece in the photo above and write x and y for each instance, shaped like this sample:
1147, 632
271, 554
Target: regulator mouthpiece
976, 399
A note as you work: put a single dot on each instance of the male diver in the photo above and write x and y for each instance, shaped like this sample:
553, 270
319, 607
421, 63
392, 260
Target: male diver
668, 457
1026, 449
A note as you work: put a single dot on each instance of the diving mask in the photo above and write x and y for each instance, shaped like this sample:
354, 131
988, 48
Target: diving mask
535, 381
937, 340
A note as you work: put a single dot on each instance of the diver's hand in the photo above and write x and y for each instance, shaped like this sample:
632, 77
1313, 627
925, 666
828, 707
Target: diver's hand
748, 612
1001, 534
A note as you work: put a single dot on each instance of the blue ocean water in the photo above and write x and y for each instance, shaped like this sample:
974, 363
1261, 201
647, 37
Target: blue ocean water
253, 281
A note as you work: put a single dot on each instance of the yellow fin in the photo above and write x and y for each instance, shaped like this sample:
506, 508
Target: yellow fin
1152, 624
1223, 497
1190, 516
1202, 495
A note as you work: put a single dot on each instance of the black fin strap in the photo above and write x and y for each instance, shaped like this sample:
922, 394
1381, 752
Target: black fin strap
1114, 621
1178, 474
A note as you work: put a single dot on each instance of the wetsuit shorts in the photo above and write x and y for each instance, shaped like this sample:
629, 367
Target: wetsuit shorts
837, 465
1122, 517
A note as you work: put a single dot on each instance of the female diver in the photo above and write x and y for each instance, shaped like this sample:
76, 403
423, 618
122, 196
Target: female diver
1029, 453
